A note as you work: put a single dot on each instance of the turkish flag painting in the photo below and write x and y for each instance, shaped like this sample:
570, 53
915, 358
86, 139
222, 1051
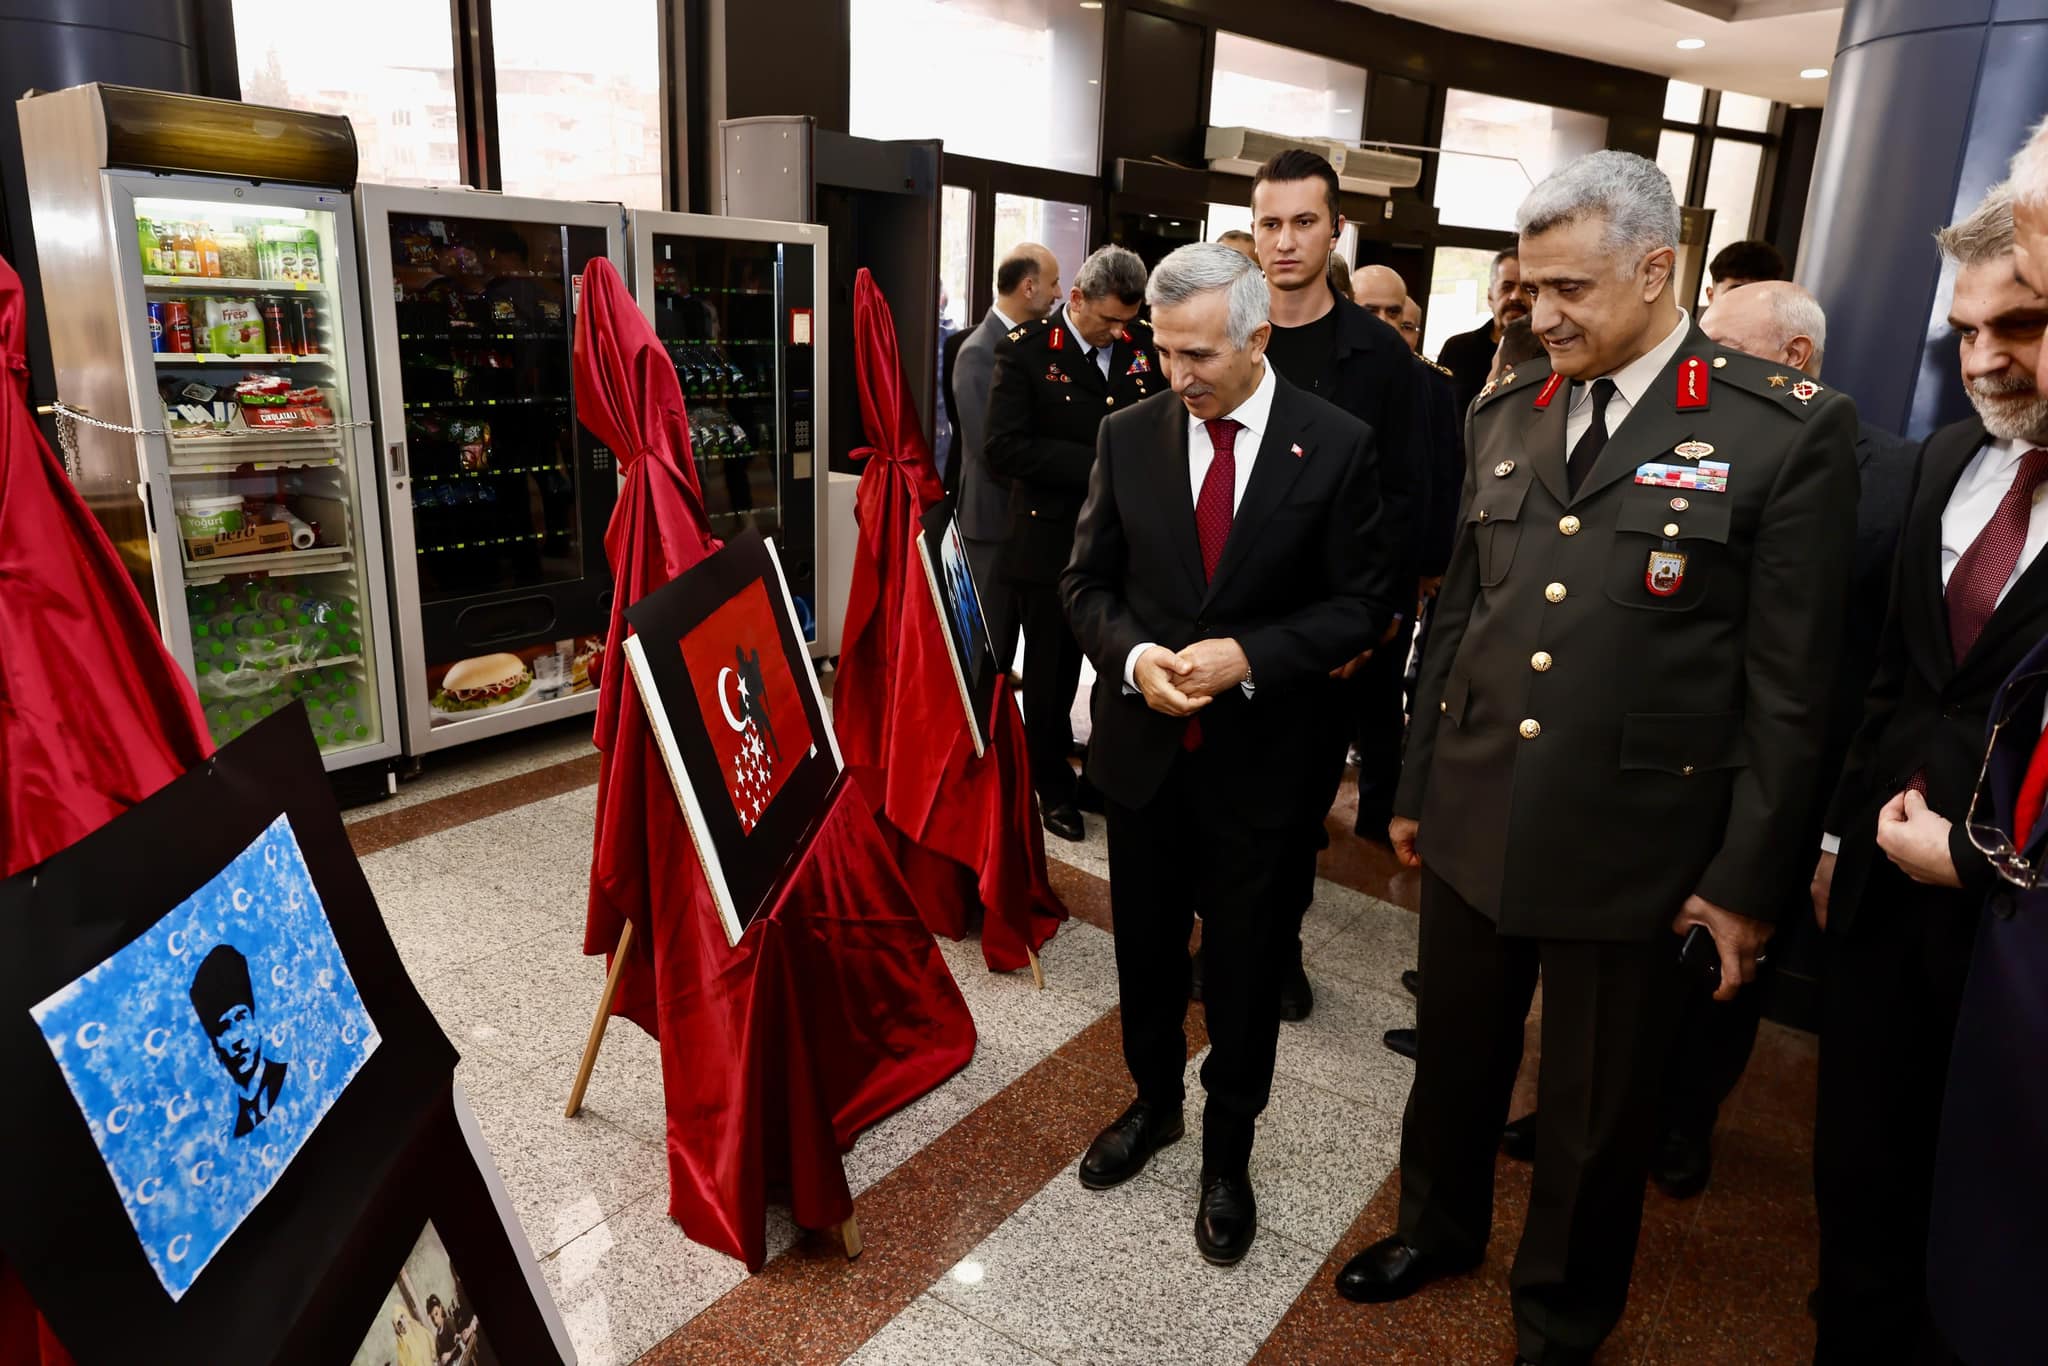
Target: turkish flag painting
753, 711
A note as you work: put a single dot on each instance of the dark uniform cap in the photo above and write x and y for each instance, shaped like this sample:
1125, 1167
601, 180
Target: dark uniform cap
221, 984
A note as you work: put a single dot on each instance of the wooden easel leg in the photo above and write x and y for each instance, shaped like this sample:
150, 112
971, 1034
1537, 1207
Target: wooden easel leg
604, 1015
849, 1236
1037, 972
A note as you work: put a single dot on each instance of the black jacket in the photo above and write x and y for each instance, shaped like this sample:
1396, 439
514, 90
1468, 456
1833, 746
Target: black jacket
1305, 583
1469, 356
1378, 382
1444, 425
1925, 713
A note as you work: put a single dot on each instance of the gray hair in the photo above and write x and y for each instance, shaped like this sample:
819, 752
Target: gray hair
2030, 170
1629, 191
1985, 234
1794, 313
1200, 267
1110, 271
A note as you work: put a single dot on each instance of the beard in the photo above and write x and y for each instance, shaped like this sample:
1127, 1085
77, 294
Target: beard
2011, 408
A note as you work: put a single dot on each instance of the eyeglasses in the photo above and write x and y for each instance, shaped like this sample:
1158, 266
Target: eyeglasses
1993, 843
1408, 326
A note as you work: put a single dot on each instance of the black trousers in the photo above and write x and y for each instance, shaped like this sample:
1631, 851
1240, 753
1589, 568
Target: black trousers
1052, 672
1379, 724
1889, 1003
1708, 1054
1189, 851
1607, 1018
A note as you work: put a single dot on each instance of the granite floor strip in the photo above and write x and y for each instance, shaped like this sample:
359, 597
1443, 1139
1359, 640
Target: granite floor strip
373, 833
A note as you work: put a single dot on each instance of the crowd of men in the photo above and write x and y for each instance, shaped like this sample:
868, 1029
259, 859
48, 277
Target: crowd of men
1642, 645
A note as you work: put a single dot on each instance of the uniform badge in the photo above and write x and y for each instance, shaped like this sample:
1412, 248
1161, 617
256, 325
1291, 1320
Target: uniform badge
1777, 381
1504, 469
1016, 333
1692, 383
1805, 390
1057, 339
1548, 391
1507, 376
1709, 476
1487, 390
1139, 365
1665, 572
1123, 334
1680, 504
1692, 450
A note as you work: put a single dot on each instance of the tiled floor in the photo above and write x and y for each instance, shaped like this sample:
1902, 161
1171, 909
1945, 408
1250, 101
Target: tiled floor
981, 1245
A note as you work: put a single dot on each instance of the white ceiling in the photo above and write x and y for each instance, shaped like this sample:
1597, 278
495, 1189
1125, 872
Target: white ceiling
1755, 46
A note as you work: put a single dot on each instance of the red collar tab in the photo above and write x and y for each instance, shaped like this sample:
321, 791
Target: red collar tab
1692, 383
1549, 390
1122, 335
1059, 336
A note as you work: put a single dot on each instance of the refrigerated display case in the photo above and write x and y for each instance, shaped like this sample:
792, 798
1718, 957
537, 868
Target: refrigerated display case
209, 325
496, 496
741, 306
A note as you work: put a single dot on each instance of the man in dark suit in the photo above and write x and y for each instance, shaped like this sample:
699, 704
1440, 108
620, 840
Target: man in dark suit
1227, 560
1055, 380
1618, 725
1027, 288
1969, 600
1469, 355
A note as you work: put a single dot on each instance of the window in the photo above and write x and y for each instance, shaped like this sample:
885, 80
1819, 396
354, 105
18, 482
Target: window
1457, 295
1751, 113
931, 68
956, 258
1682, 101
392, 57
1506, 146
1731, 191
1674, 158
1259, 85
579, 104
1061, 228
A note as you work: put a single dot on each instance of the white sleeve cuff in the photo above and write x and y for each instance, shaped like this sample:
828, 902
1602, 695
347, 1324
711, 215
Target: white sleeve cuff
1831, 844
1131, 666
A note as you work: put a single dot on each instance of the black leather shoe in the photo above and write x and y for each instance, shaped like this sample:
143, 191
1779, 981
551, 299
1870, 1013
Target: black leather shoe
1518, 1138
1297, 998
1681, 1165
1227, 1219
1195, 975
1063, 820
1121, 1151
1392, 1270
1400, 1041
1411, 982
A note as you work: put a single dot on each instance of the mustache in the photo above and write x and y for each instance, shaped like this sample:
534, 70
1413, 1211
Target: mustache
2001, 386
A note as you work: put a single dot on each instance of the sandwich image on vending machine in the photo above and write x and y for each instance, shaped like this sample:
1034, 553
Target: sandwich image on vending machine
483, 683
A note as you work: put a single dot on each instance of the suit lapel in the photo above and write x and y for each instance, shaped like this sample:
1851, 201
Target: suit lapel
1945, 464
1175, 496
1543, 437
1274, 471
1651, 428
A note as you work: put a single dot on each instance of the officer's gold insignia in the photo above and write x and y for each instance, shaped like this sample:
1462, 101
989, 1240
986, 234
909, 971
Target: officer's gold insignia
1504, 469
1778, 381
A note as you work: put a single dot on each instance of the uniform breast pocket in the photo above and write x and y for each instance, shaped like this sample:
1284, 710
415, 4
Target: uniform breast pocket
1494, 524
1668, 559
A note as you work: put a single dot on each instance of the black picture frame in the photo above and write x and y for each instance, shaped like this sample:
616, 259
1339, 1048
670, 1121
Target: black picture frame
942, 550
745, 870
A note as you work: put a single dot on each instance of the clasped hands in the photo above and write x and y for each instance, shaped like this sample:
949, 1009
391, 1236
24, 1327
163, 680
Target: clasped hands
1181, 683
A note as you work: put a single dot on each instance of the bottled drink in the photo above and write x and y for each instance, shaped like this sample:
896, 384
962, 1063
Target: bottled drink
186, 249
158, 339
178, 326
150, 247
274, 339
308, 331
209, 251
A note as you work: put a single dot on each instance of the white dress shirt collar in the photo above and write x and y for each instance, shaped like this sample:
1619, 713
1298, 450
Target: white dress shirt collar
1255, 414
1633, 380
1003, 318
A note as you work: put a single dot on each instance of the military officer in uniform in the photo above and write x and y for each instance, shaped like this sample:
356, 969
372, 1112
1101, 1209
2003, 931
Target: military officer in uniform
1615, 739
1055, 380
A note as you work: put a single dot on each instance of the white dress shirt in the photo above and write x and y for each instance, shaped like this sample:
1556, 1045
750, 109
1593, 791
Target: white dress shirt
1631, 382
1101, 353
1984, 482
1252, 416
1003, 318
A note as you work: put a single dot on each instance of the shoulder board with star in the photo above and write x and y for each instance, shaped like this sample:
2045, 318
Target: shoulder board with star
1514, 379
1777, 386
1035, 328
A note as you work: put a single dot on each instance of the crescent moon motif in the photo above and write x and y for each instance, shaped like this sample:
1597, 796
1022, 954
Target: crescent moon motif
735, 722
178, 1247
200, 1171
156, 1041
117, 1119
175, 942
296, 900
270, 856
316, 1068
349, 1032
269, 1154
279, 975
324, 978
241, 898
172, 1111
277, 1037
96, 1029
145, 1193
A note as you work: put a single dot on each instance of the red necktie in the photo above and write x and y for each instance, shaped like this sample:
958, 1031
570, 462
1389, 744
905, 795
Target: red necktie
1213, 508
2033, 794
1981, 574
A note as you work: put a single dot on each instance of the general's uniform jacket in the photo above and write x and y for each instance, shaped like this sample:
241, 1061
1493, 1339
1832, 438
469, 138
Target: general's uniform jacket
1624, 697
1045, 402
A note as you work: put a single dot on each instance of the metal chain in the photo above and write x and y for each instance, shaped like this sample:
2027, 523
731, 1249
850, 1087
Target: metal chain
68, 418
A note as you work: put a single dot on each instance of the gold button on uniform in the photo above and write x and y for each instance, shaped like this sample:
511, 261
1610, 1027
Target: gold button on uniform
1531, 729
1109, 402
1569, 525
1444, 707
1554, 593
1720, 361
1504, 469
1686, 771
1671, 528
1540, 661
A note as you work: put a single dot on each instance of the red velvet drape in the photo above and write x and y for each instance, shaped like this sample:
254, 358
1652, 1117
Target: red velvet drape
964, 831
94, 715
835, 1008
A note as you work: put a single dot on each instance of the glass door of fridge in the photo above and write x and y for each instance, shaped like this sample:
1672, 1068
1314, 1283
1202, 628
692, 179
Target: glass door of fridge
268, 539
739, 320
499, 497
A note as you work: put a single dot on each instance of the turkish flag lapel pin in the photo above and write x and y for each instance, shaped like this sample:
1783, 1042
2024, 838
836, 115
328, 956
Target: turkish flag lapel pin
1298, 451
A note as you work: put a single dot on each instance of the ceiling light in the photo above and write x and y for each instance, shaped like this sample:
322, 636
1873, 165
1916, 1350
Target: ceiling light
1814, 73
1091, 4
1691, 44
1344, 111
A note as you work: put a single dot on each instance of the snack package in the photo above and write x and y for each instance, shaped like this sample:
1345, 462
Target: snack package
473, 443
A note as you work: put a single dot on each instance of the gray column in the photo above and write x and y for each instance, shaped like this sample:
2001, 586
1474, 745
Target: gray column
1928, 101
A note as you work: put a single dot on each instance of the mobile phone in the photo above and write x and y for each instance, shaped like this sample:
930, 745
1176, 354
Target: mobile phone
1700, 956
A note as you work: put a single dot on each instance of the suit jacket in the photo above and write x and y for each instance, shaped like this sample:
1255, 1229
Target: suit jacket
1986, 1259
1377, 382
1925, 713
1304, 585
1443, 423
1590, 745
1045, 402
949, 354
984, 499
1469, 356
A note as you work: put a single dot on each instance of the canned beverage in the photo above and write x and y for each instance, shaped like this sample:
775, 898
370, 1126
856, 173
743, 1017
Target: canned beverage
178, 325
309, 327
274, 337
157, 340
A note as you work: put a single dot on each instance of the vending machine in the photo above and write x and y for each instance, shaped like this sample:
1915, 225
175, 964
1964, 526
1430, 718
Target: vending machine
741, 307
496, 496
198, 262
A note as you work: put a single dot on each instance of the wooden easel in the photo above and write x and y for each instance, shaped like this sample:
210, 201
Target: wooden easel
1037, 972
848, 1233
